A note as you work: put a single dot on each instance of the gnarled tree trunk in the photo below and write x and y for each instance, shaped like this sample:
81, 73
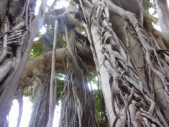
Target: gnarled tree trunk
18, 29
40, 110
131, 65
78, 109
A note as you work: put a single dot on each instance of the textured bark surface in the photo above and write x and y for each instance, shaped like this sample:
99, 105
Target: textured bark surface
78, 109
16, 43
42, 64
129, 91
40, 112
131, 60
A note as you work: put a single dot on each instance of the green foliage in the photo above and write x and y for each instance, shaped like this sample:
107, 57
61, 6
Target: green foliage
60, 85
28, 92
98, 97
99, 103
36, 50
60, 43
151, 5
92, 76
80, 30
147, 4
72, 3
153, 19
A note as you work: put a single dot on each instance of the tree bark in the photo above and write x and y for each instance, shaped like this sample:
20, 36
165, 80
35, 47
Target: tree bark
77, 102
9, 85
40, 112
163, 17
117, 65
53, 82
129, 61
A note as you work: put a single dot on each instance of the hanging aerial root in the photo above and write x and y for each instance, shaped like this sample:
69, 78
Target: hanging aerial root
77, 102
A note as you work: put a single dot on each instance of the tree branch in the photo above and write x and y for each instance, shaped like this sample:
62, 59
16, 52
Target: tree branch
42, 64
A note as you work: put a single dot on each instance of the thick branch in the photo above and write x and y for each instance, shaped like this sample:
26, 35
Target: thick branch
42, 64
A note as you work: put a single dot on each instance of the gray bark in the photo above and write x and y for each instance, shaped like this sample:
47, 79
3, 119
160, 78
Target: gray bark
133, 53
40, 112
9, 85
163, 17
78, 109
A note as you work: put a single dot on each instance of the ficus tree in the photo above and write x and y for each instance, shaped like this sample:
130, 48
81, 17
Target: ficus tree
130, 58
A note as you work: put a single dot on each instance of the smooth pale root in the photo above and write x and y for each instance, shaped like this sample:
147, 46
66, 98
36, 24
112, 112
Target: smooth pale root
163, 17
43, 64
53, 83
103, 75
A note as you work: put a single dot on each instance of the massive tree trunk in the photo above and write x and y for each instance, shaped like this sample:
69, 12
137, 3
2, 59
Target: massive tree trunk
40, 110
18, 29
121, 59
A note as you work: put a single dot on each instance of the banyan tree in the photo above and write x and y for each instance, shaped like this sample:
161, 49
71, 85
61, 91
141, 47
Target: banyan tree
114, 39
